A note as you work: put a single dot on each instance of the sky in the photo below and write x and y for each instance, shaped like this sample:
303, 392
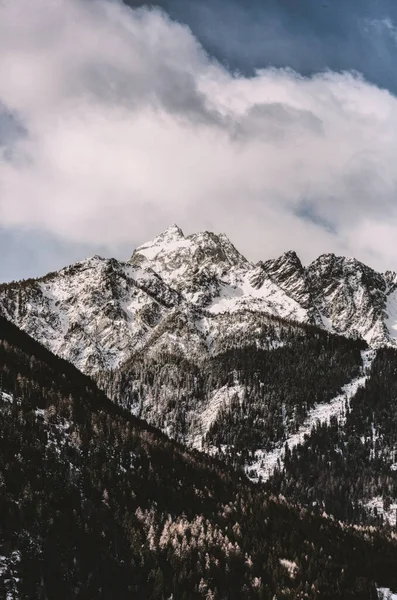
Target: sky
273, 121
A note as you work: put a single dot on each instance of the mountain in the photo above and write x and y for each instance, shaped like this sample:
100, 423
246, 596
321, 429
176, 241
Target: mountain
98, 312
193, 300
95, 503
353, 299
92, 313
339, 294
241, 360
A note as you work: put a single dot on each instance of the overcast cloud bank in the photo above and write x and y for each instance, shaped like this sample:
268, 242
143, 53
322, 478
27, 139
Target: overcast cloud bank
115, 123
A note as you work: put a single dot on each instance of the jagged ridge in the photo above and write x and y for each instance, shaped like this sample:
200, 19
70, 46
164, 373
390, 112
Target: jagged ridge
96, 313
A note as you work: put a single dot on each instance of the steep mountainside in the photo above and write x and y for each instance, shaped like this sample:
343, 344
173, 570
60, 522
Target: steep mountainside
173, 291
349, 467
223, 355
96, 504
92, 313
244, 398
354, 300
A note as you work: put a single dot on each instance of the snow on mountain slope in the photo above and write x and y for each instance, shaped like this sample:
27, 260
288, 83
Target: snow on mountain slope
351, 296
207, 414
210, 273
339, 294
266, 463
171, 294
98, 312
386, 594
268, 298
93, 313
289, 274
176, 255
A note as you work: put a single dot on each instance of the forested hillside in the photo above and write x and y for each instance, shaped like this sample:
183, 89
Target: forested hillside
243, 398
97, 504
237, 359
351, 470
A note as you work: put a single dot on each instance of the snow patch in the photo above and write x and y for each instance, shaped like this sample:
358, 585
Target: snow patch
386, 594
268, 298
221, 398
290, 565
388, 512
5, 397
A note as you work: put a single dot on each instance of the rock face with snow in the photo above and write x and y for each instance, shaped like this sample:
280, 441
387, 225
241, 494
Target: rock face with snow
220, 353
289, 274
195, 294
181, 259
339, 294
92, 313
353, 299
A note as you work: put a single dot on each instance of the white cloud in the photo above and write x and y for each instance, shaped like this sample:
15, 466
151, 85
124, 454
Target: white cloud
381, 27
131, 126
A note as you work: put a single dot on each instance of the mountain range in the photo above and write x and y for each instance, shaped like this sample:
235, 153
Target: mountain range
188, 424
98, 312
241, 360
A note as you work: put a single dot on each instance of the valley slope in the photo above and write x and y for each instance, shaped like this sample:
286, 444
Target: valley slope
224, 355
97, 504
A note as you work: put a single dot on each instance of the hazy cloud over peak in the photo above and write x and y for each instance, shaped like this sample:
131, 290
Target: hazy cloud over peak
117, 123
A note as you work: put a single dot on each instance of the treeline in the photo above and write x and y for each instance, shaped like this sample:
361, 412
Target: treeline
96, 504
278, 379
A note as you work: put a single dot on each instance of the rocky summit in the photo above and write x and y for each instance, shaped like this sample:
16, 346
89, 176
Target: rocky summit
193, 294
284, 371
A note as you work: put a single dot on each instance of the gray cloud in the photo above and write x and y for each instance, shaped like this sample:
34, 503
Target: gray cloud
276, 121
131, 126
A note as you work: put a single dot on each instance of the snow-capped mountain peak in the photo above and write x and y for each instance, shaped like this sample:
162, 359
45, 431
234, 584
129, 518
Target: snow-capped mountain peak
194, 264
165, 239
334, 292
199, 248
99, 311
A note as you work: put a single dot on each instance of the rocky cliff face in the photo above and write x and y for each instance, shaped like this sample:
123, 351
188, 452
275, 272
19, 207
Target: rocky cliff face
351, 298
175, 291
92, 313
220, 353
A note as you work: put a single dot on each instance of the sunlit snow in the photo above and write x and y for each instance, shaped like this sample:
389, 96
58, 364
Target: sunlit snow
386, 594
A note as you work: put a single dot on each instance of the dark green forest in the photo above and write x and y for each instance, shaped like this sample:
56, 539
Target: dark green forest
340, 468
308, 366
95, 503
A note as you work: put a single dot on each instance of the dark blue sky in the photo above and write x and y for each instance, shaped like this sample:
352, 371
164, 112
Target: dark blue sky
306, 35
